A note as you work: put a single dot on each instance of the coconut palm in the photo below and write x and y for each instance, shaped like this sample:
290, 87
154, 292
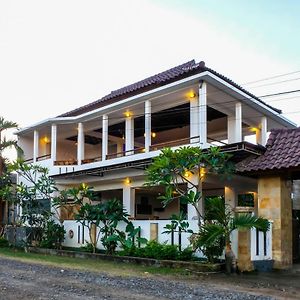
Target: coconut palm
5, 144
221, 222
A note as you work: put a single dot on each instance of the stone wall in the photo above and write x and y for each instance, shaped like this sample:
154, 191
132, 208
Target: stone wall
274, 203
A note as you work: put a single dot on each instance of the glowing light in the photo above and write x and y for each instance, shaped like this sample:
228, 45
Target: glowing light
46, 140
253, 129
202, 172
127, 180
192, 95
127, 114
187, 174
153, 134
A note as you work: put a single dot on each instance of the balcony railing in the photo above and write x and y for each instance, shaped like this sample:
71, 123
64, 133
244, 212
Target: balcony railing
43, 157
65, 162
39, 158
174, 143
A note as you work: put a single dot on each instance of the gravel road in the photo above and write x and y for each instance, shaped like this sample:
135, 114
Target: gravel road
19, 280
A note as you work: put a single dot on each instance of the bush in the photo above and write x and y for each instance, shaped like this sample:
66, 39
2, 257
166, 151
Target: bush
156, 250
3, 242
89, 247
186, 254
53, 235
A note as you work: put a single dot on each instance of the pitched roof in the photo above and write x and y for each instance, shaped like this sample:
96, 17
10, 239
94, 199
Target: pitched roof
282, 152
182, 71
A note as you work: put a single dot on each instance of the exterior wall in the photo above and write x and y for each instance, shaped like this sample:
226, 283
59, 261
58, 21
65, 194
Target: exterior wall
274, 202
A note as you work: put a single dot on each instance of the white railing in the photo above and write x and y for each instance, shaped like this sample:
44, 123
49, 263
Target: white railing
261, 244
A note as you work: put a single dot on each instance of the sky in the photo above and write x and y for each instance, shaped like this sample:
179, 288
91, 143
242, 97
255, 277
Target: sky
60, 54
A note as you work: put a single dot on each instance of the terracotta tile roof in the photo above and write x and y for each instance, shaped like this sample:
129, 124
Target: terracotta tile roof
282, 152
179, 72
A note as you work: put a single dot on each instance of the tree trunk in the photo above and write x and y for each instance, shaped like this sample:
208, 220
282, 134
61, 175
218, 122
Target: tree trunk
230, 259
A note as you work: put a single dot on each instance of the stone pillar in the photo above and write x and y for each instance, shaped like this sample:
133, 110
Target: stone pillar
274, 203
230, 196
129, 135
129, 199
194, 122
234, 125
80, 143
244, 251
35, 145
104, 136
147, 125
261, 132
53, 141
203, 114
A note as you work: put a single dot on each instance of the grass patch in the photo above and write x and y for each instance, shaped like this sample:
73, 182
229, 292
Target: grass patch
108, 267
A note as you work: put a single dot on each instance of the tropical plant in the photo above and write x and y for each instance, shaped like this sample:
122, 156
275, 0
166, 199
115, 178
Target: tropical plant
220, 223
173, 170
128, 239
100, 218
5, 144
178, 224
34, 197
53, 235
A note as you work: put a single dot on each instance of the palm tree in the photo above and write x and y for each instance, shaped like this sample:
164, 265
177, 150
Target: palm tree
221, 222
5, 144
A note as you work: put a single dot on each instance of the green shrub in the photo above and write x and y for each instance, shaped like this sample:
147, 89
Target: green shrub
53, 235
156, 250
3, 242
186, 254
89, 247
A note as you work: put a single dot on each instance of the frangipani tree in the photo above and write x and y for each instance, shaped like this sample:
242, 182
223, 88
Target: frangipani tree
171, 169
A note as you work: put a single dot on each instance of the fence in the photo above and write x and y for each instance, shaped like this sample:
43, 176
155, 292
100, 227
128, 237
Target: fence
261, 244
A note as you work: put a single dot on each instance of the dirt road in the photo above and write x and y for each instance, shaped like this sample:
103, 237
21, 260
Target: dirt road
19, 280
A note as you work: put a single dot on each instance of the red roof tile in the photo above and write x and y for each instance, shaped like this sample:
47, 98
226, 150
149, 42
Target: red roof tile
282, 152
182, 71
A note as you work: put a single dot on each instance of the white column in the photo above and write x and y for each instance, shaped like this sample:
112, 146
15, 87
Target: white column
230, 196
194, 122
129, 199
234, 125
203, 113
53, 141
147, 125
80, 143
261, 133
191, 210
129, 135
104, 136
35, 145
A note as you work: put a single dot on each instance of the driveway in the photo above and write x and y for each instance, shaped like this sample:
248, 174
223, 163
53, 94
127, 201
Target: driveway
20, 280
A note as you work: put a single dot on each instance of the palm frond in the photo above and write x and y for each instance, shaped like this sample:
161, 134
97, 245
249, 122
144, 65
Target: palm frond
4, 125
247, 221
210, 233
7, 144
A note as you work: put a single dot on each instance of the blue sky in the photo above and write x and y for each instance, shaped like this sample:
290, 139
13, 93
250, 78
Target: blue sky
272, 25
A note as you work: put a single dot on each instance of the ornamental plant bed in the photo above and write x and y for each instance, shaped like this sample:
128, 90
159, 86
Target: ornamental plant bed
192, 266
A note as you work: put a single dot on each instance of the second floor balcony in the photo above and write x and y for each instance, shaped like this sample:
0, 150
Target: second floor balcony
196, 115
